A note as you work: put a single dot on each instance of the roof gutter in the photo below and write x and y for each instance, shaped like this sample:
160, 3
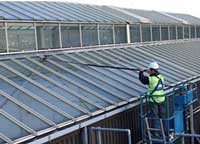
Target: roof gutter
63, 132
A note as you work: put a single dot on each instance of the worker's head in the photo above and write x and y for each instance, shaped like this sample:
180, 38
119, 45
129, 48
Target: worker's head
153, 68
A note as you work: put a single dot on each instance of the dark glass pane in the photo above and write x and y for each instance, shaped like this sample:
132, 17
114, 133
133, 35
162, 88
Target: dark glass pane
192, 31
155, 33
21, 37
135, 33
146, 34
198, 32
106, 34
172, 32
70, 36
2, 39
48, 37
186, 32
180, 32
120, 34
164, 30
89, 35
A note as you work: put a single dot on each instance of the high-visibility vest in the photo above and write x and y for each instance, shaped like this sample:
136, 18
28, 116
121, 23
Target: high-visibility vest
155, 88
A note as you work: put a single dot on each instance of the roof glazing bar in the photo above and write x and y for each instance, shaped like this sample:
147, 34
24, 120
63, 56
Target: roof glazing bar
110, 70
169, 63
130, 61
82, 78
103, 59
169, 74
90, 81
33, 95
62, 86
17, 122
6, 139
110, 56
141, 19
173, 17
103, 73
27, 108
47, 89
93, 75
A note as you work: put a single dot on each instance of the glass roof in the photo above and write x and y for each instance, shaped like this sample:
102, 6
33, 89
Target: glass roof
38, 96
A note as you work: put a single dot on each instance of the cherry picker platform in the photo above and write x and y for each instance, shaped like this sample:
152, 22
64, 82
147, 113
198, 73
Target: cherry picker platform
178, 121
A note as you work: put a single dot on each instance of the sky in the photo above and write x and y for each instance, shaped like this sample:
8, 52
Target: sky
178, 6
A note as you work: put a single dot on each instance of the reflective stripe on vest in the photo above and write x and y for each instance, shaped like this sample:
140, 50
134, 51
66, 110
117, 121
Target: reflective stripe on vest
153, 82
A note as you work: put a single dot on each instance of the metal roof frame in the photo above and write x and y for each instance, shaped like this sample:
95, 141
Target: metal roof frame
56, 64
62, 98
89, 73
174, 17
56, 83
29, 93
68, 70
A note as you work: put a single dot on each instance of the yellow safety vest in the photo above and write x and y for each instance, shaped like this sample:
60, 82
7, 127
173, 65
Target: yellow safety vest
157, 83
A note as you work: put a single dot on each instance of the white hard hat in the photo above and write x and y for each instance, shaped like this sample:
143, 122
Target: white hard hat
153, 65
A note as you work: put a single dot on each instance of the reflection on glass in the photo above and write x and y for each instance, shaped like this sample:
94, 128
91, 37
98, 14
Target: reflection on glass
164, 31
2, 38
89, 35
106, 34
198, 32
180, 32
135, 33
192, 31
172, 32
146, 34
186, 32
120, 34
21, 37
70, 35
155, 33
48, 36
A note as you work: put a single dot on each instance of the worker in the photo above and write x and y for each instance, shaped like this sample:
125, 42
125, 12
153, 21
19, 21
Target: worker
156, 98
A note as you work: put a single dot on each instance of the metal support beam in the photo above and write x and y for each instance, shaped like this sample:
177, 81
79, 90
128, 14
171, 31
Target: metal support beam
176, 32
191, 122
60, 97
87, 100
80, 33
60, 35
99, 86
85, 135
128, 131
6, 139
35, 34
32, 95
27, 108
128, 33
103, 73
17, 122
151, 32
113, 33
109, 83
98, 35
6, 35
141, 40
84, 79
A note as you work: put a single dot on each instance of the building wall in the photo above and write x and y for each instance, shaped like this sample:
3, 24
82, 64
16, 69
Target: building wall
129, 119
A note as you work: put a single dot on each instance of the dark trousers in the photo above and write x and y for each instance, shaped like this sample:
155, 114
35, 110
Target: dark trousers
156, 111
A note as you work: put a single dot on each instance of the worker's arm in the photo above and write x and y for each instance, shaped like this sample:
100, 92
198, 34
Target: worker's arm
143, 79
